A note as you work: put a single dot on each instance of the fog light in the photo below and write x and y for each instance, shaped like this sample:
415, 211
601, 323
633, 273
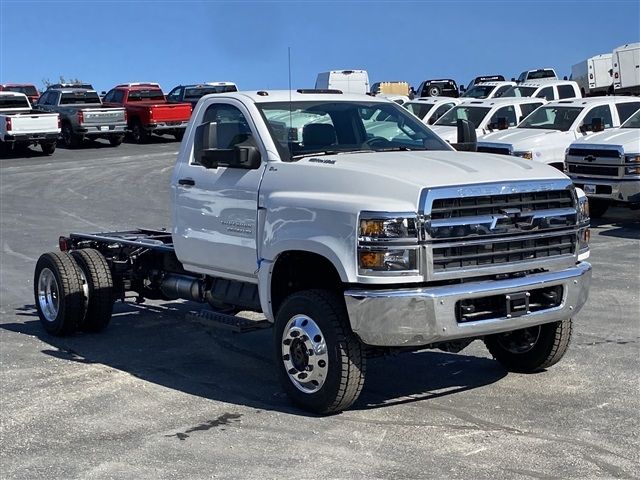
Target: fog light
388, 260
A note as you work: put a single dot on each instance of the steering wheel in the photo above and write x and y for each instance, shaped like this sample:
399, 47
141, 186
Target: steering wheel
377, 142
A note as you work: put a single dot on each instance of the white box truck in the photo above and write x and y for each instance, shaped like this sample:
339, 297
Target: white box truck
626, 69
347, 81
593, 75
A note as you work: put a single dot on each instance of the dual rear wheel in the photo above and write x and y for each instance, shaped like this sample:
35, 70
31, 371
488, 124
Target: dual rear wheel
73, 291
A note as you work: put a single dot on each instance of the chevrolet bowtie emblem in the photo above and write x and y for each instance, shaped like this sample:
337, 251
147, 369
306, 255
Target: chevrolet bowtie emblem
590, 158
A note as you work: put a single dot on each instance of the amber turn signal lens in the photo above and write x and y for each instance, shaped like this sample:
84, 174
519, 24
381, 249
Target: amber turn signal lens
371, 259
371, 228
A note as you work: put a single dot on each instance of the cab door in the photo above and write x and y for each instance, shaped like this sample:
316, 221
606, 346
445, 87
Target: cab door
216, 209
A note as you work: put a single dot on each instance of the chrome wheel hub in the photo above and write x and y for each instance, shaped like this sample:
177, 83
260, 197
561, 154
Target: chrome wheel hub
304, 354
48, 294
520, 341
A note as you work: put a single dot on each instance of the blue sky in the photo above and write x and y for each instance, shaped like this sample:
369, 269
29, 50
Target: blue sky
107, 42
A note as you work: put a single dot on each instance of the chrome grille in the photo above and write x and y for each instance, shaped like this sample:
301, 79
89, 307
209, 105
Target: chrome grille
599, 170
500, 228
502, 251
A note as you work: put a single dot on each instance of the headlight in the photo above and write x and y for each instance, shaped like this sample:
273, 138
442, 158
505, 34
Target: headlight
528, 155
584, 234
387, 243
632, 170
372, 229
583, 207
632, 158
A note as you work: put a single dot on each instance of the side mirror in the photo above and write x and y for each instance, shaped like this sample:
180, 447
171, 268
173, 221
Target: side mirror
502, 123
243, 155
522, 117
431, 121
467, 139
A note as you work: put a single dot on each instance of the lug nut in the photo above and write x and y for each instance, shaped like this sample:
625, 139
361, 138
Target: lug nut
292, 371
286, 356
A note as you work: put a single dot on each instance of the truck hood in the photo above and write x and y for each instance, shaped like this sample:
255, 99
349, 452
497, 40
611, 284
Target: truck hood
627, 138
523, 137
394, 181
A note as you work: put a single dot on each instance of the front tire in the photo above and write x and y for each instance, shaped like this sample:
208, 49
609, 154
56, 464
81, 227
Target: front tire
321, 363
59, 293
531, 349
100, 284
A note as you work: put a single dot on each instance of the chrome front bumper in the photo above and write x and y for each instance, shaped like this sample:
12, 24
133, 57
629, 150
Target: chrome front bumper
422, 316
621, 190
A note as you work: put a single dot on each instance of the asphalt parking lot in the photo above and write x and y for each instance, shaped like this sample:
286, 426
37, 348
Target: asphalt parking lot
159, 396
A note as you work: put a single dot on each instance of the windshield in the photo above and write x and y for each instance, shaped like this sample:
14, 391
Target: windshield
28, 90
519, 92
420, 110
9, 101
633, 121
463, 112
552, 118
74, 98
140, 95
479, 91
303, 128
196, 93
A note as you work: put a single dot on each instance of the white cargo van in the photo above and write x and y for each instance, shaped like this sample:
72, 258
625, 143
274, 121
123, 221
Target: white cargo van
626, 69
593, 75
347, 81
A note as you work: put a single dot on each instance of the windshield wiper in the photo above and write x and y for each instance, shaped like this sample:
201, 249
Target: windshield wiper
330, 152
399, 149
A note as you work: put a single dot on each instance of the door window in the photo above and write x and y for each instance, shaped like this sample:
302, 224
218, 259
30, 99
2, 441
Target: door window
508, 113
566, 91
527, 108
108, 98
546, 93
441, 110
603, 112
175, 94
625, 110
232, 126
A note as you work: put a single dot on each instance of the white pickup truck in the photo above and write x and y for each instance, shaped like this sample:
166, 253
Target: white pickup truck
486, 115
486, 90
351, 244
20, 126
606, 166
547, 89
545, 135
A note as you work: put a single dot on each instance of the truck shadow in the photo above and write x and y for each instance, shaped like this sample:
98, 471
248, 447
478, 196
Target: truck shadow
618, 224
155, 344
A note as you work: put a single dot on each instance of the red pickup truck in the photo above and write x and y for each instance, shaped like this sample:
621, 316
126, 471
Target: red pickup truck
148, 111
28, 89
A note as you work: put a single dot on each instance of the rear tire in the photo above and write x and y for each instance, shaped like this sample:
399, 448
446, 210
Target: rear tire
116, 140
598, 207
138, 133
48, 148
69, 139
531, 349
98, 276
321, 363
59, 293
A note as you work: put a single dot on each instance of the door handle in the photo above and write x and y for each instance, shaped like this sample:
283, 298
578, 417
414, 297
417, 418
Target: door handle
187, 182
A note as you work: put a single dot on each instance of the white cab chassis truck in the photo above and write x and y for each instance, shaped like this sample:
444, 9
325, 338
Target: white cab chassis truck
606, 166
351, 243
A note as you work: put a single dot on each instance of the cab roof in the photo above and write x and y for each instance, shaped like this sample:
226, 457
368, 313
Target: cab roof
541, 82
583, 102
491, 102
301, 95
494, 83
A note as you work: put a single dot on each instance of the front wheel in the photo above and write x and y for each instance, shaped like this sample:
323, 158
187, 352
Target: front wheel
531, 349
321, 363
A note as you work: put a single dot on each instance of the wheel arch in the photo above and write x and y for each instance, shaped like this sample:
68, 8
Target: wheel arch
296, 270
